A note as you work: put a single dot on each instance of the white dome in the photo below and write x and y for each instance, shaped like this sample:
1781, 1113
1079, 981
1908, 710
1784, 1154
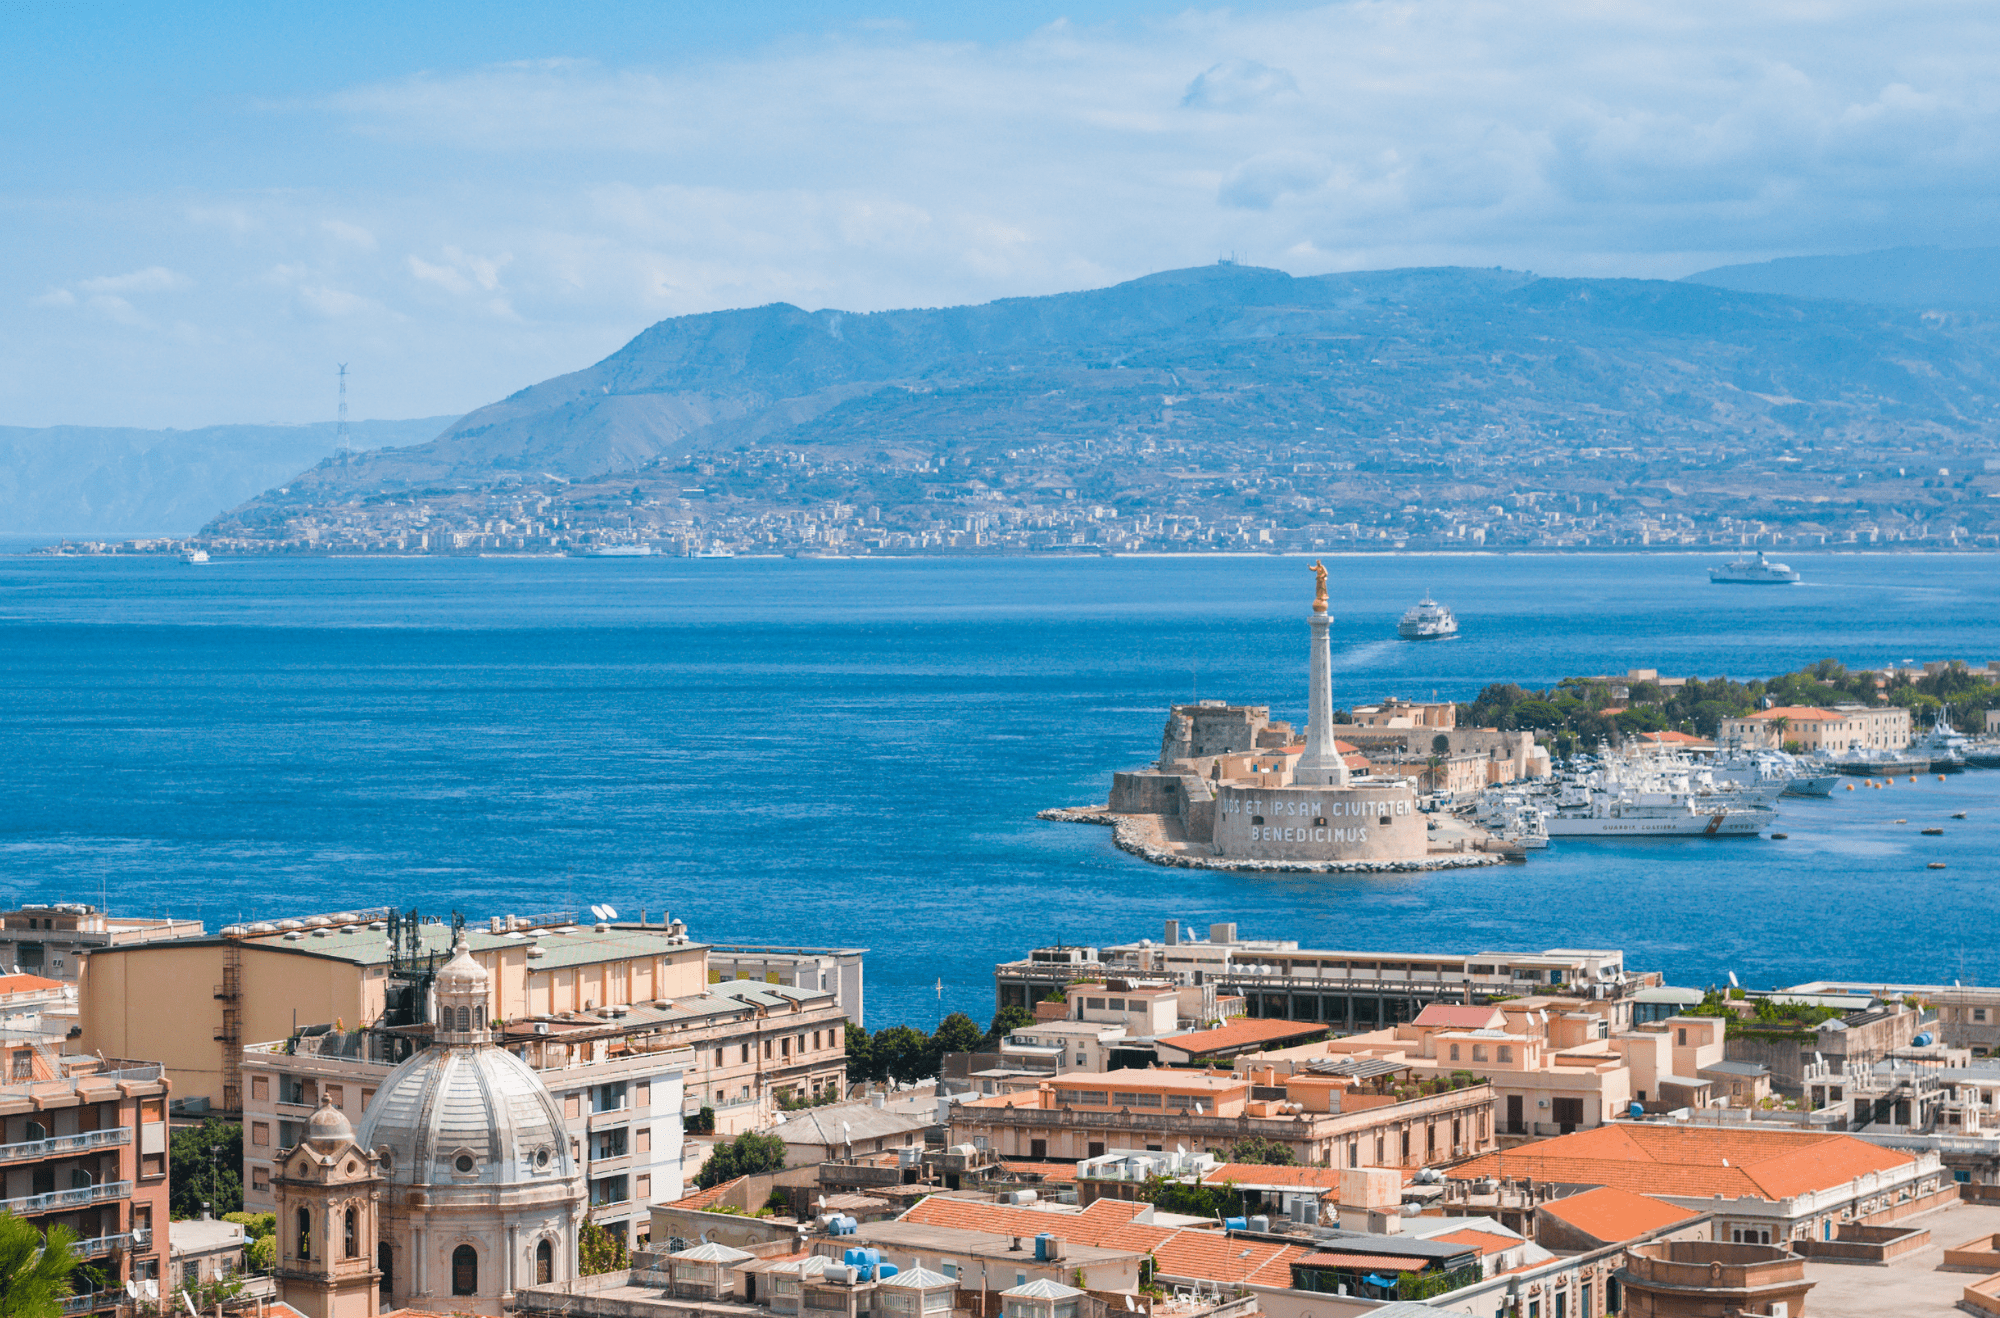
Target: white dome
467, 1116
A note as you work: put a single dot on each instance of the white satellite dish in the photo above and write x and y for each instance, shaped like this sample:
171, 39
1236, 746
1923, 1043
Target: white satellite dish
1732, 980
597, 912
610, 913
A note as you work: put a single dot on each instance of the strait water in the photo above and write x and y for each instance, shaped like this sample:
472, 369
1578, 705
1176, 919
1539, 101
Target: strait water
852, 753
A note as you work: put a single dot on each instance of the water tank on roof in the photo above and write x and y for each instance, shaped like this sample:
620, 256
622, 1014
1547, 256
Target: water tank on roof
1924, 1040
1636, 1111
1234, 1223
1260, 1223
884, 1271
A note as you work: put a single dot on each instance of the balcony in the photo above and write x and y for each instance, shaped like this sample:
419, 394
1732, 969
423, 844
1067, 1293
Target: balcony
57, 1200
99, 1246
34, 1150
90, 1301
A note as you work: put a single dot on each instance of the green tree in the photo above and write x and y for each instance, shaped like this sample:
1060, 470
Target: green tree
597, 1250
263, 1253
746, 1155
1007, 1020
900, 1053
255, 1225
35, 1274
205, 1166
1258, 1149
956, 1033
860, 1054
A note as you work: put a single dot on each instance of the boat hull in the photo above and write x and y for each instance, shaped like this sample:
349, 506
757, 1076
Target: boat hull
1812, 785
1735, 824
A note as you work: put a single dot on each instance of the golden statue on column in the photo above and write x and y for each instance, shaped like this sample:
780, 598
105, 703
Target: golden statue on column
1319, 594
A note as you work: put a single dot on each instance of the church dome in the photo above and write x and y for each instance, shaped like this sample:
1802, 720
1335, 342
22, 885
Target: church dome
475, 1117
329, 1125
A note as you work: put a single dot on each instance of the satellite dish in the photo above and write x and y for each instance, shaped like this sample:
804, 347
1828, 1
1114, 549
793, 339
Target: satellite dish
597, 912
1732, 980
610, 913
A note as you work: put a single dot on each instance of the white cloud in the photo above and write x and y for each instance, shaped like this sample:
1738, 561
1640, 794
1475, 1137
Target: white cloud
153, 279
560, 205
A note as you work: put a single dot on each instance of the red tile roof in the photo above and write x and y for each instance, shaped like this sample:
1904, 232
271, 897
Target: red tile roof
1241, 1034
1486, 1242
1064, 1172
1393, 1262
1692, 1162
1446, 1016
703, 1198
1613, 1215
1254, 1173
1202, 1254
27, 983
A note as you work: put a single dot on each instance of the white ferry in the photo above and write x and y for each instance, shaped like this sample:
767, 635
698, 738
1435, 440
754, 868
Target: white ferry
195, 556
1427, 621
1605, 815
1744, 572
614, 551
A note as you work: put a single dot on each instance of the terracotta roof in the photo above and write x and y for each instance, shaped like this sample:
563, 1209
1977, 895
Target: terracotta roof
1486, 1242
1798, 713
1107, 1224
1064, 1172
26, 983
1254, 1173
1613, 1215
703, 1198
1445, 1015
1241, 1034
1692, 1162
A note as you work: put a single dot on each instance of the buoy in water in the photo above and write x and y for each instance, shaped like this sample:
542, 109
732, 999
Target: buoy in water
1940, 778
1850, 787
1913, 778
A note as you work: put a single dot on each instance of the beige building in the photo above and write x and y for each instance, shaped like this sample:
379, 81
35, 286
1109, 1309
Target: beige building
51, 939
1883, 727
195, 1003
1334, 1121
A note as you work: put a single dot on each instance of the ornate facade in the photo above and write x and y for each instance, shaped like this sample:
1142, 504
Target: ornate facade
458, 1189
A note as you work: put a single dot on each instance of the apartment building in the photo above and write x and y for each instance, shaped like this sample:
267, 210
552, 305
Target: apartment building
83, 1144
1333, 1121
194, 1003
51, 939
837, 970
1348, 990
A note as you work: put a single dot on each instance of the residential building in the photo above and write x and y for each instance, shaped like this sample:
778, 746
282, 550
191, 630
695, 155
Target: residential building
1762, 1186
204, 1251
1348, 990
83, 1144
196, 1002
1882, 727
836, 970
846, 1130
51, 939
1336, 1121
1236, 1039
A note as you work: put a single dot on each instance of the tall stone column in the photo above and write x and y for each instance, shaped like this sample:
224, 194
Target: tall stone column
1321, 765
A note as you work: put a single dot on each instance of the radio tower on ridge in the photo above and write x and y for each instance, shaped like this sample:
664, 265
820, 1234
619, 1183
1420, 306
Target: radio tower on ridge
340, 441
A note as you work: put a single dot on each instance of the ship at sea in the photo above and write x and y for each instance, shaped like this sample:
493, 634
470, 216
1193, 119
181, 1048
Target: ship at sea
613, 551
1427, 621
1746, 572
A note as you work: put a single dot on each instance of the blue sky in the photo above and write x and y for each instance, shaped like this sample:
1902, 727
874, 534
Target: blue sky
206, 206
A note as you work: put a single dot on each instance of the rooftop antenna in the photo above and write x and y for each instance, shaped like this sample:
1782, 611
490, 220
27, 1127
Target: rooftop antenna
340, 438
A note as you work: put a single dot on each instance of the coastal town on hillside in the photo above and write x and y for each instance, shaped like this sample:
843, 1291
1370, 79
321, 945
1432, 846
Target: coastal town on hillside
1146, 494
373, 1111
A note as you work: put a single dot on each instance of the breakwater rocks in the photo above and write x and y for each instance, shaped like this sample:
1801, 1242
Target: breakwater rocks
1143, 836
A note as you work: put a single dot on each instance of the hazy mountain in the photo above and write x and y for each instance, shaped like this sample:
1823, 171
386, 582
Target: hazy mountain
113, 481
1919, 277
1425, 354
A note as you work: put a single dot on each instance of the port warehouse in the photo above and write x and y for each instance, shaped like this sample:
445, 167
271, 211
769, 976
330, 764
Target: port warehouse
1344, 989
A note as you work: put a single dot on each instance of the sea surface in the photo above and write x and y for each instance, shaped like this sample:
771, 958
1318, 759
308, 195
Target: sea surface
852, 753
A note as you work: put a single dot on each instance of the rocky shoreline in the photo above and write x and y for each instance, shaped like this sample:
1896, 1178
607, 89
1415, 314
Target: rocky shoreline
1132, 834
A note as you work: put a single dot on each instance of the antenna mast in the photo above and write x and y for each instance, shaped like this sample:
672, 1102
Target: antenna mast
340, 440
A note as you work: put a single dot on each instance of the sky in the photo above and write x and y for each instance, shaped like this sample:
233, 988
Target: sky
205, 207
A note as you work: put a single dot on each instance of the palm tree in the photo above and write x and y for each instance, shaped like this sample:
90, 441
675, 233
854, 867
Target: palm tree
34, 1273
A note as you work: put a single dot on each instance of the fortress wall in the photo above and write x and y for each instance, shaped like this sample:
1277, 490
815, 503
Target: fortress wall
1319, 823
1146, 792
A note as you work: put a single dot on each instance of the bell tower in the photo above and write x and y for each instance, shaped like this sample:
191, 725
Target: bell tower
328, 1190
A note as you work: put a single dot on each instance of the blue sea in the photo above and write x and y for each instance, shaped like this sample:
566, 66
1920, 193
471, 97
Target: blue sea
852, 753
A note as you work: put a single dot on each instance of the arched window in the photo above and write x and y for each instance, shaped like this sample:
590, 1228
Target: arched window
305, 1234
351, 1244
545, 1263
465, 1271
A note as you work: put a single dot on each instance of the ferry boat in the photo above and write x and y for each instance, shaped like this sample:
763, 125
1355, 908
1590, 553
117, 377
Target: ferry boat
195, 556
615, 551
1655, 814
1744, 572
1427, 621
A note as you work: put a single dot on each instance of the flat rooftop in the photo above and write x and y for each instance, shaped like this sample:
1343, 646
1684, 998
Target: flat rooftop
922, 1238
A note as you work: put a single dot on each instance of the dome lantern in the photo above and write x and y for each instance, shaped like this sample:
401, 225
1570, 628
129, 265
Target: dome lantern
462, 989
